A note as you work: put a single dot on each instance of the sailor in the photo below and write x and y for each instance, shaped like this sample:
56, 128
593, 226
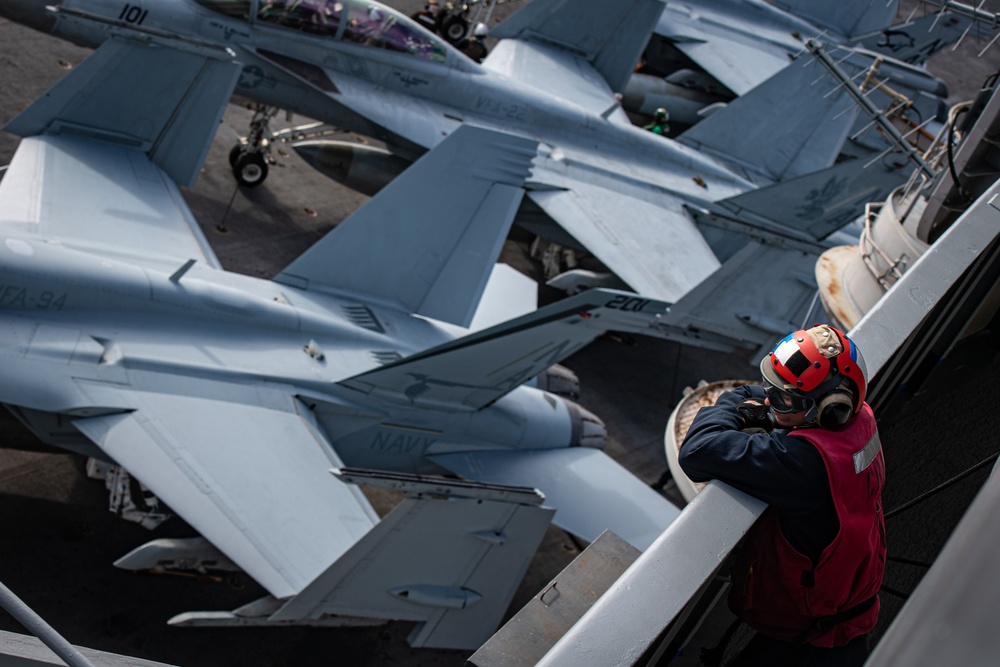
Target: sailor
660, 124
807, 575
427, 17
473, 45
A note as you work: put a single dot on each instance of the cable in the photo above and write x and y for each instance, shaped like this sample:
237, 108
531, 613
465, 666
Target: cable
908, 561
892, 591
950, 151
940, 487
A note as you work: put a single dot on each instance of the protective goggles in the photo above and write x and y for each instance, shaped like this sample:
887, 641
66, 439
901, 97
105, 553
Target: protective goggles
784, 402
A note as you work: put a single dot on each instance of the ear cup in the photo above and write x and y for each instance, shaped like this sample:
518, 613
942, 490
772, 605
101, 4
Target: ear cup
835, 410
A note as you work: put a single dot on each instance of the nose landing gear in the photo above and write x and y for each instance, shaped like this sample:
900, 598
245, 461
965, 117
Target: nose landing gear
252, 155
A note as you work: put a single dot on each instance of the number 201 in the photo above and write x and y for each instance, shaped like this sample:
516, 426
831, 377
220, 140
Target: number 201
627, 303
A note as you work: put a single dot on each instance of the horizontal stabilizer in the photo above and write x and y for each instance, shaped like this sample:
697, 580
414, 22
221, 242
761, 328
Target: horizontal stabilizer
611, 39
251, 479
474, 371
917, 40
846, 18
794, 123
191, 88
751, 313
450, 558
422, 247
739, 67
646, 240
590, 491
739, 44
820, 203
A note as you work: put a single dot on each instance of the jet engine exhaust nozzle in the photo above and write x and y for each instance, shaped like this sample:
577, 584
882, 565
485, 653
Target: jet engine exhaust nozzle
588, 429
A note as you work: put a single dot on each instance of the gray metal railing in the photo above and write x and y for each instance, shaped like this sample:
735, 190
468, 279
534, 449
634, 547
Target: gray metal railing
915, 323
38, 627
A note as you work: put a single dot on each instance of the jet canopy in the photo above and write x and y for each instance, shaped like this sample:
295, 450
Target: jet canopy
360, 21
239, 9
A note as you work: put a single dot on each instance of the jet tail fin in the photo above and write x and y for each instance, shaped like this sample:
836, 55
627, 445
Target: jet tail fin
441, 226
847, 17
450, 557
191, 86
610, 38
793, 124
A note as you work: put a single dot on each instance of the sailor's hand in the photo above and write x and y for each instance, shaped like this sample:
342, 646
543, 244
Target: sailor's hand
756, 416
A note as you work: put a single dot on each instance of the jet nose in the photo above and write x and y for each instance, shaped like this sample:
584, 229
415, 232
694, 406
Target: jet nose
29, 12
588, 429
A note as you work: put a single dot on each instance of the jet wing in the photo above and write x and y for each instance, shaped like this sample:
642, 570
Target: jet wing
105, 199
253, 479
572, 479
101, 177
738, 60
739, 67
653, 246
191, 82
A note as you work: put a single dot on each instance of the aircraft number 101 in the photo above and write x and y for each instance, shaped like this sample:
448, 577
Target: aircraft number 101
133, 14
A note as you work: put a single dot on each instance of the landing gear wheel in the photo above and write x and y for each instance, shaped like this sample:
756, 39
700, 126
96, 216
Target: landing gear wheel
454, 29
234, 154
250, 169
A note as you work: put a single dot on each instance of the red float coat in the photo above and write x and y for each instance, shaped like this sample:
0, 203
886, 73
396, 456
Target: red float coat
779, 592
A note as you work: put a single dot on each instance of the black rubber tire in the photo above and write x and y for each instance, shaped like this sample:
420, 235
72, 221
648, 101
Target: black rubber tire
250, 169
234, 154
454, 29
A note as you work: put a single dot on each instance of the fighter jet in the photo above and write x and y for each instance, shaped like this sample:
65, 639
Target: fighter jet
231, 398
705, 54
754, 184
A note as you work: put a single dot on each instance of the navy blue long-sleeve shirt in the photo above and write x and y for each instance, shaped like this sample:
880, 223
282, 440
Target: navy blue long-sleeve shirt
786, 473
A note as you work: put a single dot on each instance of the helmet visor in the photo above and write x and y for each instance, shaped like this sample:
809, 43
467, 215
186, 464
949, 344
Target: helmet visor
784, 402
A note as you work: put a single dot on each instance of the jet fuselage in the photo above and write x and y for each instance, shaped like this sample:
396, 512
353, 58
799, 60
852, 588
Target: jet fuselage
413, 100
147, 330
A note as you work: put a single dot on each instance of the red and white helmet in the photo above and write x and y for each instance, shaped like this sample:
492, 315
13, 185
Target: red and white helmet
808, 369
